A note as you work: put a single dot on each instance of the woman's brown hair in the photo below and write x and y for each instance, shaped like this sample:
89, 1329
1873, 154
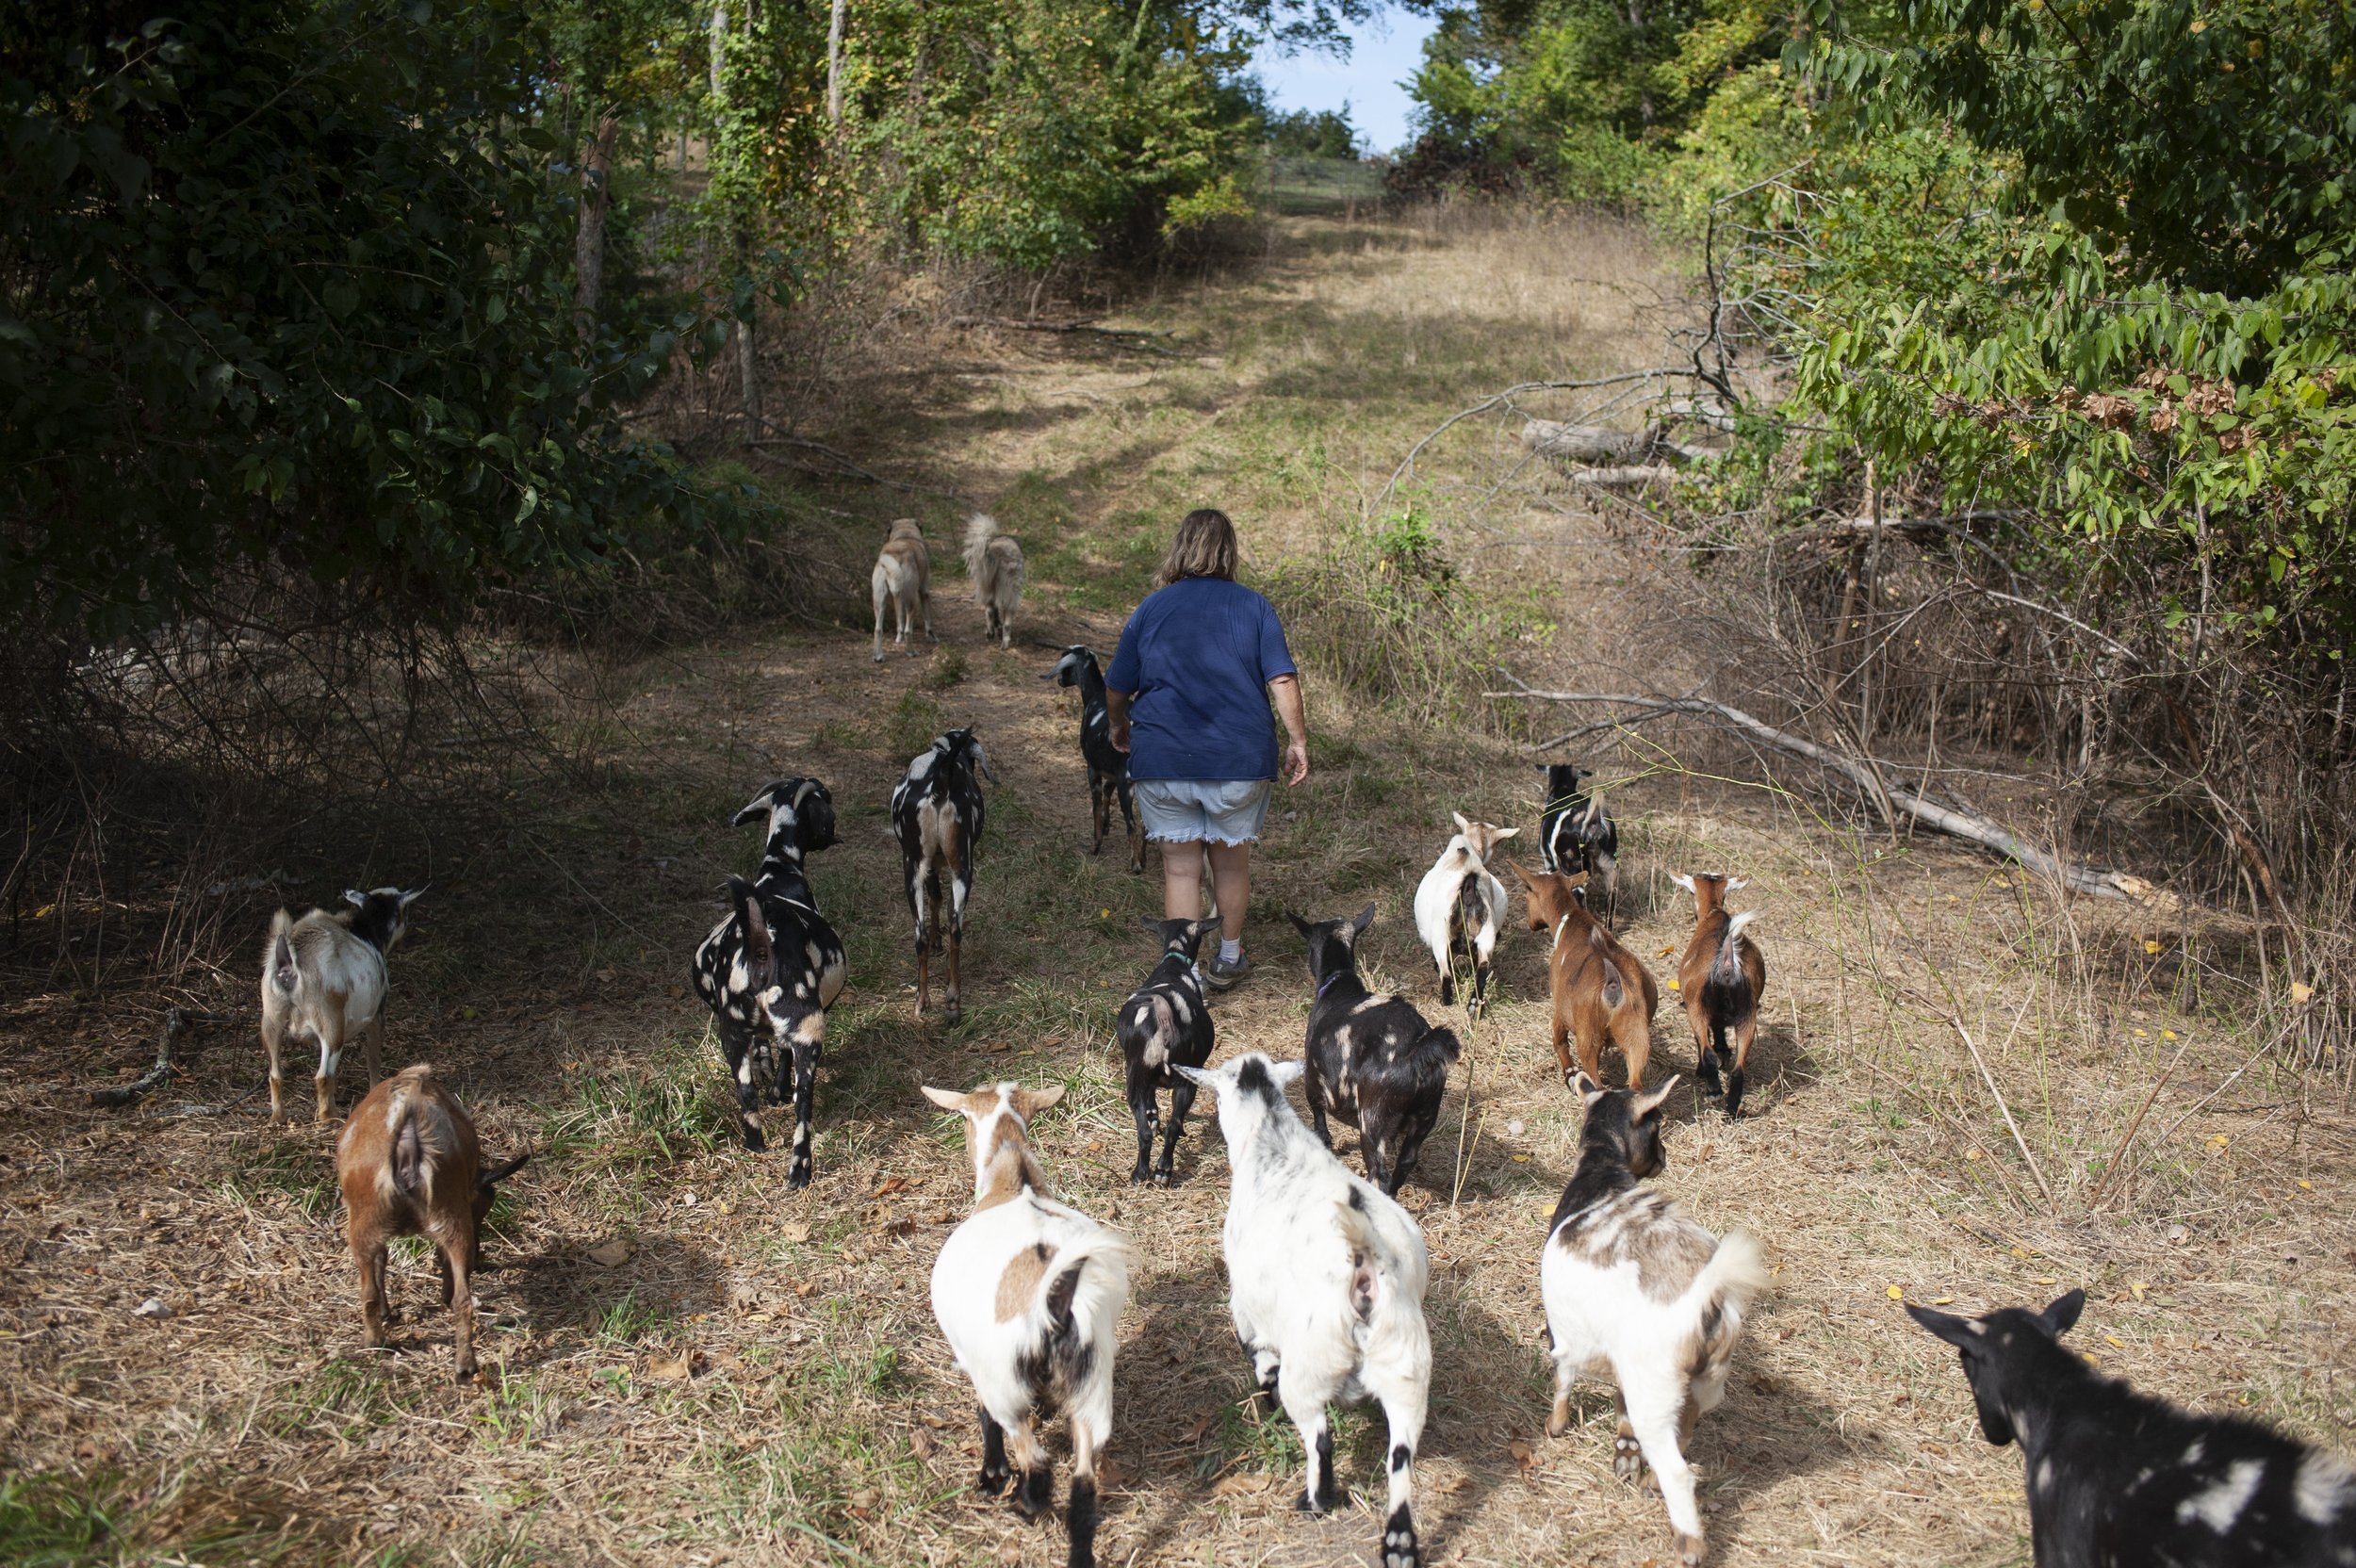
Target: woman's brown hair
1204, 547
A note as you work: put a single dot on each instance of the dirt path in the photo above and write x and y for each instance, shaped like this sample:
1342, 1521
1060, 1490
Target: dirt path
696, 1366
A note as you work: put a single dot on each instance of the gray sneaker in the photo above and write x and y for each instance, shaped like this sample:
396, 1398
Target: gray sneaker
1224, 976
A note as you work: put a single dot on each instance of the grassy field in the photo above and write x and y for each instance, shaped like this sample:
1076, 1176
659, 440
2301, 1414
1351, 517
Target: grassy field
686, 1363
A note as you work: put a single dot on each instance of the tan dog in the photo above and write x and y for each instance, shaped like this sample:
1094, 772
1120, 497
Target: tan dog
1602, 995
903, 579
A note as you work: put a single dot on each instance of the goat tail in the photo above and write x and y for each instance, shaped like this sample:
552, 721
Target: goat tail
1726, 966
281, 966
1614, 983
1735, 1274
1079, 1302
980, 529
1436, 1048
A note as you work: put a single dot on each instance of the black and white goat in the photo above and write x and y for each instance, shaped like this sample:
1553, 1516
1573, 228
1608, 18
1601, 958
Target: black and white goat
1574, 835
773, 966
2116, 1476
323, 981
1165, 1025
1457, 907
1373, 1060
1028, 1292
1325, 1276
995, 562
1109, 766
1630, 1282
937, 816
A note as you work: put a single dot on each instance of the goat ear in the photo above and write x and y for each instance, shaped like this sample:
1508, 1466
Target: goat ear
1204, 927
1197, 1076
354, 897
2063, 1315
1031, 1101
1364, 918
757, 811
1282, 1074
945, 1098
499, 1173
414, 894
1735, 882
1683, 881
1650, 1105
1150, 923
1458, 818
1959, 1331
1498, 835
1298, 925
1587, 1088
1521, 873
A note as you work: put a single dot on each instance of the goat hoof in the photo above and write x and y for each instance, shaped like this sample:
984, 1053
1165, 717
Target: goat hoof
755, 1140
1400, 1547
952, 1013
466, 1375
993, 1483
1306, 1504
1141, 1176
797, 1180
1627, 1459
1690, 1549
1165, 1177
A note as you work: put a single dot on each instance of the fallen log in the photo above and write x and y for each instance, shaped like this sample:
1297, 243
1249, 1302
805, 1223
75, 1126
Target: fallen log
176, 1021
1625, 477
1603, 444
1874, 779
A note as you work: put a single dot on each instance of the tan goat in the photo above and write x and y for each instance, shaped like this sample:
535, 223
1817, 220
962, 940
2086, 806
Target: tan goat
1602, 995
1721, 976
409, 1164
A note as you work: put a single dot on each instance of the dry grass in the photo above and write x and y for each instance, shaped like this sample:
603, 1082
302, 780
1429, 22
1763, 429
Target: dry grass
753, 1375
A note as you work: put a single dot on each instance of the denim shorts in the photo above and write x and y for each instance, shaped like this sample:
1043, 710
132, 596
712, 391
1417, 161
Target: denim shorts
1181, 810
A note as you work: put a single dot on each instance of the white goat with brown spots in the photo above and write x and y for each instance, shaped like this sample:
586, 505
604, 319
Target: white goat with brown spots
323, 981
1458, 908
1630, 1282
1028, 1292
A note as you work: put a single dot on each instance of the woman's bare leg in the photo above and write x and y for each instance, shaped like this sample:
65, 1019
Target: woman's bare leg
1181, 880
1231, 874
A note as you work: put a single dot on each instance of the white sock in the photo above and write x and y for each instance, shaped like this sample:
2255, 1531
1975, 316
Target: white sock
1229, 952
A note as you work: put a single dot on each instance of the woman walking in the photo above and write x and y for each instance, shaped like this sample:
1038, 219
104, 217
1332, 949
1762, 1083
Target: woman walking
1187, 698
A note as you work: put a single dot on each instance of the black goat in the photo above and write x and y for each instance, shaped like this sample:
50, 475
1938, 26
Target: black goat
2116, 1476
1574, 835
937, 816
1373, 1060
1108, 767
770, 971
1165, 1024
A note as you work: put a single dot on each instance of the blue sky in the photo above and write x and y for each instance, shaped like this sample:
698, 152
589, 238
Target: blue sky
1384, 52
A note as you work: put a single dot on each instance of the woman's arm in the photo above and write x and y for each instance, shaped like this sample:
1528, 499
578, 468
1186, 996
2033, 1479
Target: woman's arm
1285, 689
1116, 717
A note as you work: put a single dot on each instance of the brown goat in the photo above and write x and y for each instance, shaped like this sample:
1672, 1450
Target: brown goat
1602, 995
1721, 976
409, 1164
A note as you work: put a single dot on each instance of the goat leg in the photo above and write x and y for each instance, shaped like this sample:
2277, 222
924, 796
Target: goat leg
1181, 1102
1080, 1515
461, 1307
995, 1475
1142, 1110
924, 973
373, 1040
270, 1044
1123, 792
1100, 811
369, 1252
1403, 1413
956, 937
809, 1043
1705, 1070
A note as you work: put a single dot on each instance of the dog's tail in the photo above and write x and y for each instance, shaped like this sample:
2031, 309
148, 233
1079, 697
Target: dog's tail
980, 530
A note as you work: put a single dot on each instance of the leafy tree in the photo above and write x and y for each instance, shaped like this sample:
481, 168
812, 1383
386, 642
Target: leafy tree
287, 287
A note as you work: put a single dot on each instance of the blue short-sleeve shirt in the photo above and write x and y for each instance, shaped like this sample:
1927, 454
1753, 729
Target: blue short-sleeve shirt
1198, 656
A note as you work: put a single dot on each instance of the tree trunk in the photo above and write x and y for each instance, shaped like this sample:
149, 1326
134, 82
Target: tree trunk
834, 64
596, 198
748, 373
719, 49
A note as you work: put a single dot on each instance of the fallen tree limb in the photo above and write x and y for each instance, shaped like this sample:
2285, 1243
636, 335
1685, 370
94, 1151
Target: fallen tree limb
176, 1021
1602, 444
1967, 826
1496, 400
1136, 338
1626, 477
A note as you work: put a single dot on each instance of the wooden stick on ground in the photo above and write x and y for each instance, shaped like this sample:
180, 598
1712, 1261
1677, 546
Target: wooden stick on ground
176, 1021
1873, 779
